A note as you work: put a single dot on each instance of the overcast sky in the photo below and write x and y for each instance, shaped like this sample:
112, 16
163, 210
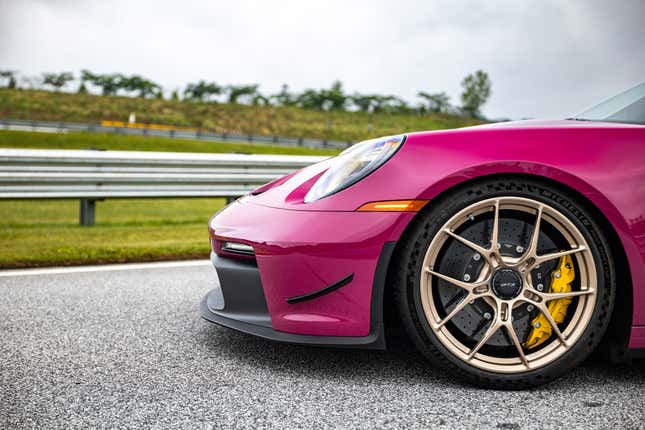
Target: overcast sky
545, 58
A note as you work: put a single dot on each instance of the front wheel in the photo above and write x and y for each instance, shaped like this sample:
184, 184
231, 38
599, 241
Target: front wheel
506, 283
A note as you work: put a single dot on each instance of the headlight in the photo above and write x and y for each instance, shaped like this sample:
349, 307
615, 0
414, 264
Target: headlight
353, 164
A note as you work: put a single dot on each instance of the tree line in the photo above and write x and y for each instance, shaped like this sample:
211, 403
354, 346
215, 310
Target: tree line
476, 90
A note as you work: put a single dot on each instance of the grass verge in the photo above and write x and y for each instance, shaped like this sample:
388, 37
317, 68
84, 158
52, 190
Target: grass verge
115, 142
46, 233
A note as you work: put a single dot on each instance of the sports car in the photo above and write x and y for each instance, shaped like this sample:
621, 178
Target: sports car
507, 252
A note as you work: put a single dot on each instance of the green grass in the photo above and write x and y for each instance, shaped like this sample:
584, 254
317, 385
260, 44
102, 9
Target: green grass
45, 233
115, 142
232, 118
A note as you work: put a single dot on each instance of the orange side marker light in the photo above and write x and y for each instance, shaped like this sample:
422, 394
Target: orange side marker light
393, 206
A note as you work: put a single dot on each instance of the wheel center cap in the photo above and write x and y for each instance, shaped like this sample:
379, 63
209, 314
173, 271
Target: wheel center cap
506, 284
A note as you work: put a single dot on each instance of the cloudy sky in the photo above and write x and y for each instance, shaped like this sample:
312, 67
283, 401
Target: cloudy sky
545, 58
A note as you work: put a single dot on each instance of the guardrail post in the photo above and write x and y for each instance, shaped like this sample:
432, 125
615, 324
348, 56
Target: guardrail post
87, 211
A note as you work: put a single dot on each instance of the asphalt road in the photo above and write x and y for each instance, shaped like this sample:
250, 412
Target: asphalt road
128, 349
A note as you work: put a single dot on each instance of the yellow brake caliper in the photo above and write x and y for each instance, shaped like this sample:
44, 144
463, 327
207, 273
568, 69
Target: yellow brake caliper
560, 283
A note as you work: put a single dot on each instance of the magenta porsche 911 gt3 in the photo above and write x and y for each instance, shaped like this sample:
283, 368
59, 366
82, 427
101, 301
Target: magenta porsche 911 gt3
508, 252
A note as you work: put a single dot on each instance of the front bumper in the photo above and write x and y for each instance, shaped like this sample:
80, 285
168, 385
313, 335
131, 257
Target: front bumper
299, 254
241, 306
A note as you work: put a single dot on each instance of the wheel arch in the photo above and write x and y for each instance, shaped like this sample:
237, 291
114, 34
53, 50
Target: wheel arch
617, 336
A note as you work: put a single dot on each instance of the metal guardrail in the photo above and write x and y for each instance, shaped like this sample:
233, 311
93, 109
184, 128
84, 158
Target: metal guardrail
62, 127
96, 175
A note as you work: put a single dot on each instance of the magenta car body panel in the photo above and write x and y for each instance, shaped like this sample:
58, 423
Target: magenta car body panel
298, 253
302, 248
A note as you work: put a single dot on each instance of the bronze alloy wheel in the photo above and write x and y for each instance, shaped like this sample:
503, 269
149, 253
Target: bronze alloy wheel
481, 283
502, 261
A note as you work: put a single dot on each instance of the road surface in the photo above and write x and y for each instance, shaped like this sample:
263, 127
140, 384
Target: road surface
127, 348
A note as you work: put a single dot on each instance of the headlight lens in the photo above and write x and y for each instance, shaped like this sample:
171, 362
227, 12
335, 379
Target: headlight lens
353, 164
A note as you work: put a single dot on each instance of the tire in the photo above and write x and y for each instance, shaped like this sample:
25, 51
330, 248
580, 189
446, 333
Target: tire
420, 294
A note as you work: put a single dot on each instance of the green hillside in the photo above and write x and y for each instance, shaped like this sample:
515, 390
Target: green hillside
231, 118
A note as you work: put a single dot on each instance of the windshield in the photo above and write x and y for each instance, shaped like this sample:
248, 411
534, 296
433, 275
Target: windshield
628, 107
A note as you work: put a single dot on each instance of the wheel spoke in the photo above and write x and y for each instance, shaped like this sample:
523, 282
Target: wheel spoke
554, 325
535, 236
468, 286
539, 259
555, 296
489, 333
485, 252
494, 235
518, 345
454, 312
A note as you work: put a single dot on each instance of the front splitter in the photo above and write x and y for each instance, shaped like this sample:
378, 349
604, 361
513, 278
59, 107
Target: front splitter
375, 340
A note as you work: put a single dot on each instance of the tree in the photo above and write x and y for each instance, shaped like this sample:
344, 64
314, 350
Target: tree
477, 90
109, 84
334, 98
436, 102
202, 91
311, 99
260, 100
364, 102
9, 75
57, 80
284, 97
143, 86
86, 76
244, 92
390, 104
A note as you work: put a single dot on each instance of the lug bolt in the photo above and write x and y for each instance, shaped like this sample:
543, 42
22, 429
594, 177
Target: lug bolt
487, 315
519, 249
557, 275
472, 302
471, 217
466, 277
539, 287
477, 257
536, 325
530, 308
499, 245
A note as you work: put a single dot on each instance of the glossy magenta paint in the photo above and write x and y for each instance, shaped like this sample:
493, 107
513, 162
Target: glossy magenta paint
303, 247
301, 252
